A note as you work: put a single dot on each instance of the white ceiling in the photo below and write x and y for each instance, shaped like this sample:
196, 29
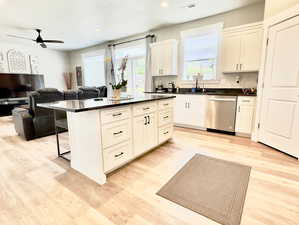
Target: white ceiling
82, 23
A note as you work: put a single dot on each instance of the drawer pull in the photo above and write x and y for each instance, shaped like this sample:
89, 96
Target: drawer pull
117, 114
120, 132
166, 132
245, 100
166, 104
165, 117
118, 155
147, 108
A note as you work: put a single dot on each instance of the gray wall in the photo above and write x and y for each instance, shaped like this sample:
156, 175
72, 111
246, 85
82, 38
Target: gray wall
245, 15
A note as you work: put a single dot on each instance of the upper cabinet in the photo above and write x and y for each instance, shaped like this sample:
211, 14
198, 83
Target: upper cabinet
242, 48
164, 58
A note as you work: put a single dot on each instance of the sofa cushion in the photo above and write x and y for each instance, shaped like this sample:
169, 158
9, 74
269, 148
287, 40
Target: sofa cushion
70, 95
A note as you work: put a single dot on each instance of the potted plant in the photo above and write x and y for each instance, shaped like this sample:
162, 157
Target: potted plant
120, 82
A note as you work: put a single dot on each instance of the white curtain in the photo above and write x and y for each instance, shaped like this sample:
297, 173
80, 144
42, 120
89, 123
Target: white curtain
148, 70
109, 68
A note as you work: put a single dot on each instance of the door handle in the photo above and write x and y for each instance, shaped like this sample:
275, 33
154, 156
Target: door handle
239, 109
149, 120
145, 123
118, 132
237, 66
118, 155
241, 66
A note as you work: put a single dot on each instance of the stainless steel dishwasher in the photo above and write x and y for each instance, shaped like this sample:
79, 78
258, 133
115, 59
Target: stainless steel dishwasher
221, 113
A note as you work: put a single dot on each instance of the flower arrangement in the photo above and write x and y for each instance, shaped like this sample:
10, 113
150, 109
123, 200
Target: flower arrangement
121, 82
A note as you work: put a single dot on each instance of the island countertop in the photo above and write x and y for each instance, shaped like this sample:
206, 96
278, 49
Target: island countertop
98, 103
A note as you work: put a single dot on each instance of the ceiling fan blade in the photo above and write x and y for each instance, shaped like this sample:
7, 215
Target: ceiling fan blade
53, 41
43, 45
15, 36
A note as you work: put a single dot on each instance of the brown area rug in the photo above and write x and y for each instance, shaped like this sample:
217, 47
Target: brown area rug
211, 187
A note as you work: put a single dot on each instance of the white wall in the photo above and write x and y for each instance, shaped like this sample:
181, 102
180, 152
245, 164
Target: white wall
245, 15
273, 7
52, 63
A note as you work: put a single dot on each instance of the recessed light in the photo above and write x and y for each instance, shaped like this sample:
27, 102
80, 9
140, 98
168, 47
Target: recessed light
164, 4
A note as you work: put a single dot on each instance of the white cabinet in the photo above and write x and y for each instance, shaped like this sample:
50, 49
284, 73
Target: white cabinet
145, 132
241, 50
164, 57
245, 115
189, 110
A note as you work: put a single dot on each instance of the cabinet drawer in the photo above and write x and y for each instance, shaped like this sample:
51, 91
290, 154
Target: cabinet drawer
116, 132
140, 109
165, 117
165, 104
245, 100
165, 133
117, 155
115, 114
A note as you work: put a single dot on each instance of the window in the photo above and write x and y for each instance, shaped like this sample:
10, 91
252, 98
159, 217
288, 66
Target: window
135, 72
94, 69
200, 52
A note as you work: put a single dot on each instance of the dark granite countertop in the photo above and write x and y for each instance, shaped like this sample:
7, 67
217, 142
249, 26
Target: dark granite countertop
99, 103
224, 91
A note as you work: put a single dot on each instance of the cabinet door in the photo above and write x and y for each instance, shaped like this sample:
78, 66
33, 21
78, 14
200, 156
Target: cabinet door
231, 53
197, 110
156, 60
139, 134
244, 119
180, 109
251, 45
151, 131
164, 58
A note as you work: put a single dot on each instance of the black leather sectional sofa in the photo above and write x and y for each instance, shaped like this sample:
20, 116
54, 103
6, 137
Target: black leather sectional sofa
33, 122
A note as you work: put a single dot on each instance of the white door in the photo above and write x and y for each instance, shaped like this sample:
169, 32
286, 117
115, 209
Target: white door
151, 131
139, 134
251, 45
244, 119
279, 126
231, 52
197, 108
155, 60
180, 109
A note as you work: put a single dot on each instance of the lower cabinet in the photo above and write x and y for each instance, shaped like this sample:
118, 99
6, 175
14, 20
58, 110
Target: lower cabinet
190, 110
165, 133
117, 155
245, 115
145, 133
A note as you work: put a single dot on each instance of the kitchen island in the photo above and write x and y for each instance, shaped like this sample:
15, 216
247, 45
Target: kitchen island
105, 135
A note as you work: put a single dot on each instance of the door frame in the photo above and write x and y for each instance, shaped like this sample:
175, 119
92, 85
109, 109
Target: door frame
268, 23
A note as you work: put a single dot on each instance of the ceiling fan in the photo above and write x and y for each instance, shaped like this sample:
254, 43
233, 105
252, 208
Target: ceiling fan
39, 40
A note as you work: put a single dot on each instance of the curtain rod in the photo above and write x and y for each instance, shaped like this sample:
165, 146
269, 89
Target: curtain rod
137, 39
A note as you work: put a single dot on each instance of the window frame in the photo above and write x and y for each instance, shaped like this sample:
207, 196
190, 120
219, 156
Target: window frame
131, 69
100, 52
218, 27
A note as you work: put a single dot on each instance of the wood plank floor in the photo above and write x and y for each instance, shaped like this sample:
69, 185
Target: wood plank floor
36, 188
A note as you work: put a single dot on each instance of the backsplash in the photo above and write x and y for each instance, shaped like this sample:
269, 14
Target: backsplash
246, 80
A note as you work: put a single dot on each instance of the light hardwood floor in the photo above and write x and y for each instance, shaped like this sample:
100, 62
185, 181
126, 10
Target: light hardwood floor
36, 188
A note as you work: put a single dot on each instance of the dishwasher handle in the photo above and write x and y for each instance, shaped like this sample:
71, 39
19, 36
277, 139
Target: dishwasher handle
223, 99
